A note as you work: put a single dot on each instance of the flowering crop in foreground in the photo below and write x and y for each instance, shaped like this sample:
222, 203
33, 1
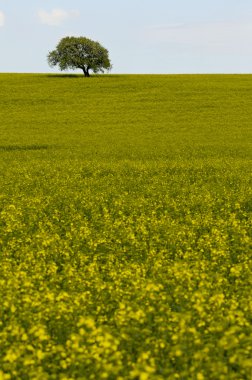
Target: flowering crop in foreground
129, 260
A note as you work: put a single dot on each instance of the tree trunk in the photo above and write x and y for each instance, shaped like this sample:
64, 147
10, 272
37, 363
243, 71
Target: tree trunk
86, 72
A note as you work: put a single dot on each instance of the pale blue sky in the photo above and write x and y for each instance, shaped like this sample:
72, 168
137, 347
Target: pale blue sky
142, 36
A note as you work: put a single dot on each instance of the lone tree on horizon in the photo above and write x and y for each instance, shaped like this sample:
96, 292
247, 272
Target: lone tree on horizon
80, 53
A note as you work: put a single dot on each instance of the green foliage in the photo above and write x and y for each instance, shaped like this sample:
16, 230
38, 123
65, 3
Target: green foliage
80, 53
125, 227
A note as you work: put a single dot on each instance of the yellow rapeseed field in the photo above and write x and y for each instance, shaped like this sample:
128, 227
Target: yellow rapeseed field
125, 227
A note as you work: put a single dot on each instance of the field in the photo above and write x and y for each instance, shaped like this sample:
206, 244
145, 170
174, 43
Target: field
125, 227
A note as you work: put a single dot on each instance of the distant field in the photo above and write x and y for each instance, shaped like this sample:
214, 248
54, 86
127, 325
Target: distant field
125, 227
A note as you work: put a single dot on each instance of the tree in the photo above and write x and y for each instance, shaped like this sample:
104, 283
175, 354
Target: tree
80, 53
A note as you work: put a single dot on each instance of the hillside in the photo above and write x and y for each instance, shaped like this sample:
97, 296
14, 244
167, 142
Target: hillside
125, 227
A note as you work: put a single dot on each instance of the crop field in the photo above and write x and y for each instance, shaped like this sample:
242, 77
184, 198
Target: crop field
125, 227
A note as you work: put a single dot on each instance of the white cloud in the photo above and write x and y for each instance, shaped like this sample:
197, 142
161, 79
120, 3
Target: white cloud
217, 36
2, 18
56, 16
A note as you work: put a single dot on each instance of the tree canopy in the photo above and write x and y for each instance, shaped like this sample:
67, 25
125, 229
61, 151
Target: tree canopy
80, 53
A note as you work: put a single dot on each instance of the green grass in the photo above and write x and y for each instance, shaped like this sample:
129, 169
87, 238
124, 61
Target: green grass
125, 227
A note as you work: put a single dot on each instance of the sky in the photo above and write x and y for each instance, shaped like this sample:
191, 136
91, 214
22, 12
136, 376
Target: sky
142, 36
